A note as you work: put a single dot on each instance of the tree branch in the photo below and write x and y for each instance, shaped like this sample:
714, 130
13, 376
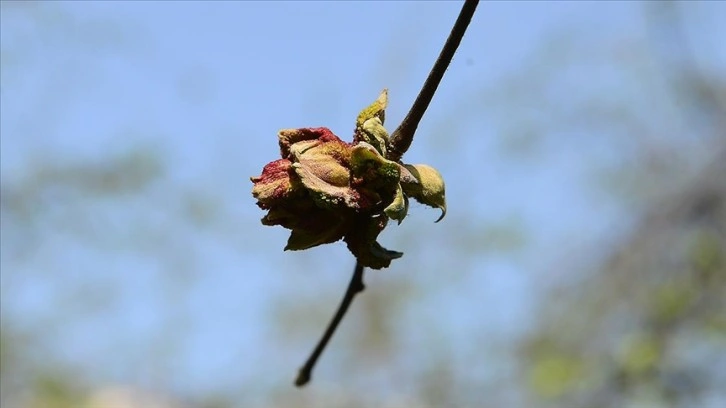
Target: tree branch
355, 286
400, 141
402, 137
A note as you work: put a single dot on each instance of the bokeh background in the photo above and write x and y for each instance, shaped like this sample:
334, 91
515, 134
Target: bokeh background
582, 261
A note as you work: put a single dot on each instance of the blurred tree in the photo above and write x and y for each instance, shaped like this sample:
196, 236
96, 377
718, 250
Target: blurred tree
46, 198
647, 327
640, 324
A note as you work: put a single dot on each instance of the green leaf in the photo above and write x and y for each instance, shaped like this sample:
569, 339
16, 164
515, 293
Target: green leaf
398, 208
430, 189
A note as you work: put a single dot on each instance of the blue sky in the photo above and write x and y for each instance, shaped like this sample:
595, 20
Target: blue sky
208, 85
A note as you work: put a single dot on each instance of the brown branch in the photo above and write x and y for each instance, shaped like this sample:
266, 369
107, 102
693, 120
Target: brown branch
354, 287
401, 140
402, 137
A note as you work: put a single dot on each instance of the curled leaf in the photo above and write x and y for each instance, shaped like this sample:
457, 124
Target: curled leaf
362, 242
379, 172
369, 124
398, 208
274, 184
375, 110
289, 137
429, 190
315, 234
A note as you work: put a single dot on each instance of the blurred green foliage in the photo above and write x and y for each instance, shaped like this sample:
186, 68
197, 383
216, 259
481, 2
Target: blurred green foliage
641, 325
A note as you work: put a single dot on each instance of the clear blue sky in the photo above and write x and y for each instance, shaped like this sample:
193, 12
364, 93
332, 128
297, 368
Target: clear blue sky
208, 84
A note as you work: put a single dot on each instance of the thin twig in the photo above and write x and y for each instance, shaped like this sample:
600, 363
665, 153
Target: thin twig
355, 286
401, 140
402, 137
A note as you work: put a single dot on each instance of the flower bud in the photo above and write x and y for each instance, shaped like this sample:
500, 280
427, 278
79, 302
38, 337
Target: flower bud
323, 189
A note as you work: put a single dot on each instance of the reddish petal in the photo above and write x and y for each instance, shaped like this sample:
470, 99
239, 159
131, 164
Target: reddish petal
288, 137
274, 183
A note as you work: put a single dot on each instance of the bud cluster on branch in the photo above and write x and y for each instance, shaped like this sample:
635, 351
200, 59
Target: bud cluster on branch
324, 189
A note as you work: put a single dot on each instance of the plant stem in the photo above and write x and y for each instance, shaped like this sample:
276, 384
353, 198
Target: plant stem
400, 141
402, 137
355, 286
